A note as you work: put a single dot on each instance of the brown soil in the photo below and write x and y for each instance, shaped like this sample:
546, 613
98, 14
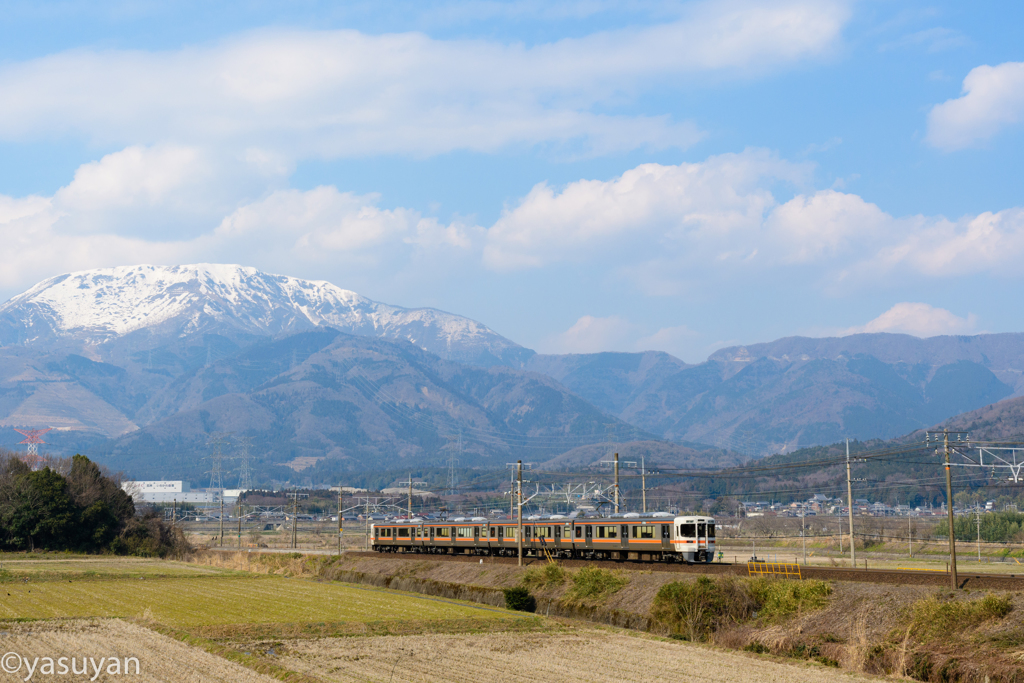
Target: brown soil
601, 656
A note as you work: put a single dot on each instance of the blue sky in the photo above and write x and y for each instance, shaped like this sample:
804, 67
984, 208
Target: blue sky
579, 176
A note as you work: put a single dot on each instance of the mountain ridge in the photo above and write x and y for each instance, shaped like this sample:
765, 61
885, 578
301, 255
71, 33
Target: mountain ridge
93, 307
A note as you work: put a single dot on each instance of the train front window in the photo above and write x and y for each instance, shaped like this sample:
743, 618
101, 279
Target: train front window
688, 530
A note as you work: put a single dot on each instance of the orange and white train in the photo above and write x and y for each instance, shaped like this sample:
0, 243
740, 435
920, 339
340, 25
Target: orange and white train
656, 537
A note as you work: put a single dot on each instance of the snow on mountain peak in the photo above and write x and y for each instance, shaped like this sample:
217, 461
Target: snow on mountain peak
98, 305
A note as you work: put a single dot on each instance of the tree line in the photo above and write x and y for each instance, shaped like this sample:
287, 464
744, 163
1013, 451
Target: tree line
72, 504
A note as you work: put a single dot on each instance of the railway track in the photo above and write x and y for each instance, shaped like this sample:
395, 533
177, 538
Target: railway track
888, 576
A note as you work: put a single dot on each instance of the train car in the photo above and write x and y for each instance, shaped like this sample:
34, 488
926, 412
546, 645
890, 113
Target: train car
655, 537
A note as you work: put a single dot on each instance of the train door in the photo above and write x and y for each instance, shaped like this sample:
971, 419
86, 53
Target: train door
702, 540
624, 535
666, 537
588, 540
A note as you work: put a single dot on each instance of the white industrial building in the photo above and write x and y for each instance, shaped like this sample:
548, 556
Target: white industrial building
168, 492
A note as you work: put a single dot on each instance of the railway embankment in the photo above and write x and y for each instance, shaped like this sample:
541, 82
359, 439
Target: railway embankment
913, 629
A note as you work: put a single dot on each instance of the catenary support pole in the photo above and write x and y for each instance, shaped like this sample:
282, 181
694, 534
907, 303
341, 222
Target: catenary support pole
849, 499
616, 483
341, 522
803, 535
953, 582
222, 518
519, 496
295, 521
239, 513
643, 482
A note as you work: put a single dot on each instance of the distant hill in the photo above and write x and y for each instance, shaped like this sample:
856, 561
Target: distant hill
655, 454
798, 392
1003, 421
324, 402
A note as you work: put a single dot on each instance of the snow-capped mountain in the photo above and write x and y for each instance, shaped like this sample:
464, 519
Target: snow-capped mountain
96, 306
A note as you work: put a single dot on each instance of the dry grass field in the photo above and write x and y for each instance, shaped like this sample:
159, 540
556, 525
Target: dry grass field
69, 567
189, 602
160, 658
594, 655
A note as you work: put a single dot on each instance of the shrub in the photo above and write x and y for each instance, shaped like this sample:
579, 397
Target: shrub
696, 609
519, 599
593, 583
551, 574
937, 618
777, 599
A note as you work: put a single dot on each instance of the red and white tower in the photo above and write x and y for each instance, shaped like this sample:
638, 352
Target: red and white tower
34, 437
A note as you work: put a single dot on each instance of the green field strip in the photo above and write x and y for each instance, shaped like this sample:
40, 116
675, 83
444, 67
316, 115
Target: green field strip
213, 600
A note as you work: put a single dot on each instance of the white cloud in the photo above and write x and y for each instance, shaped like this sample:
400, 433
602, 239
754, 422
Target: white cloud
708, 206
591, 334
346, 93
993, 99
133, 176
667, 229
676, 340
664, 230
937, 247
811, 228
920, 320
319, 221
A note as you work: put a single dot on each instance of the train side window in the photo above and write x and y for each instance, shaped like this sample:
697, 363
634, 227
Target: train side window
403, 532
579, 532
711, 530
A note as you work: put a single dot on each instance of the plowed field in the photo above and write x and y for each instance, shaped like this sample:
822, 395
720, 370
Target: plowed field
594, 655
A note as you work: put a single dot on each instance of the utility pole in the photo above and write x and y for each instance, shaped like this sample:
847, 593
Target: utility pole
910, 535
512, 495
410, 495
949, 510
643, 481
174, 512
616, 483
295, 520
979, 533
341, 526
849, 498
519, 495
803, 535
222, 518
